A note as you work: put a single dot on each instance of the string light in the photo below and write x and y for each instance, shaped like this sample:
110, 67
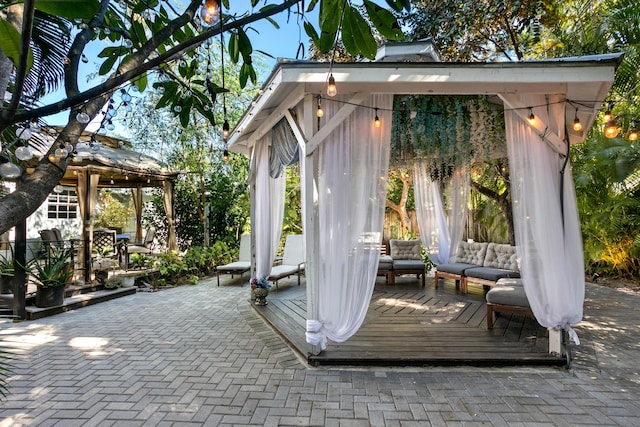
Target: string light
377, 119
319, 111
532, 118
611, 129
577, 126
608, 115
332, 90
8, 170
633, 132
225, 129
225, 155
210, 12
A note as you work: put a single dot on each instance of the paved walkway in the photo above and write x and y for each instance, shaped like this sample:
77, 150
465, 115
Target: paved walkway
199, 355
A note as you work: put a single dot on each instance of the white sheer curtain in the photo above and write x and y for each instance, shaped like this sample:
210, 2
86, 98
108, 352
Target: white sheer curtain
547, 227
268, 209
353, 166
440, 235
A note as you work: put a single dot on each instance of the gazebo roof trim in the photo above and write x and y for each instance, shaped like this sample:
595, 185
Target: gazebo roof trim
586, 79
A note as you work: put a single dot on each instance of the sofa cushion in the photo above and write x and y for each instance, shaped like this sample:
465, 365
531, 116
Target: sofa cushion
455, 268
471, 253
508, 292
501, 256
385, 262
408, 264
405, 249
493, 274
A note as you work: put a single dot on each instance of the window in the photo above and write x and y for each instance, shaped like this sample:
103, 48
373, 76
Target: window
63, 205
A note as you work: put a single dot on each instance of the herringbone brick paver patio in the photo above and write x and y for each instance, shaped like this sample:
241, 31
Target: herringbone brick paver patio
200, 356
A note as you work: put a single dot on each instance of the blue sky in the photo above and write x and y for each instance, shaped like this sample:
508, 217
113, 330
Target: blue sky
280, 42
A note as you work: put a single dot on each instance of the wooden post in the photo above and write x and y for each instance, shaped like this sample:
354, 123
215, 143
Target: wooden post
20, 275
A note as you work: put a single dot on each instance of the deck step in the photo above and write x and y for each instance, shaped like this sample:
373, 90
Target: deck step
78, 301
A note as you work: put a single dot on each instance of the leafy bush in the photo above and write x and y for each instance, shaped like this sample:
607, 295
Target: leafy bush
203, 259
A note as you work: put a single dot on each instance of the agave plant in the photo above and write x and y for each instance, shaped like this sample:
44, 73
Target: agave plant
52, 270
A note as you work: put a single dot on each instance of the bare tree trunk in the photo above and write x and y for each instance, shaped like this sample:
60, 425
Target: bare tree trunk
401, 207
504, 202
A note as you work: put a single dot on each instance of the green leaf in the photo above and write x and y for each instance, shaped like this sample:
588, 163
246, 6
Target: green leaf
273, 22
384, 21
311, 32
186, 110
326, 41
10, 44
356, 34
141, 83
312, 5
244, 44
330, 12
107, 65
70, 9
234, 48
244, 75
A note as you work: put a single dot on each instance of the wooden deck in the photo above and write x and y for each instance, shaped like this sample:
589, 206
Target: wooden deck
407, 325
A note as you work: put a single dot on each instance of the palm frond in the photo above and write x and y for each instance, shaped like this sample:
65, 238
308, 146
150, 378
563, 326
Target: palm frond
50, 44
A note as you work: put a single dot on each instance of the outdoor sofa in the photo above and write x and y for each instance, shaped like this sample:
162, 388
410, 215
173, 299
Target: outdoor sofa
480, 263
507, 296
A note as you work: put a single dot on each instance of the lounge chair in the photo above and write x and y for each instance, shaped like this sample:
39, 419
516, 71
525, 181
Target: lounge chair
244, 260
143, 247
292, 260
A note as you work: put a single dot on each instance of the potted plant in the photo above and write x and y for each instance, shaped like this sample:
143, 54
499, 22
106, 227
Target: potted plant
51, 274
6, 274
260, 288
102, 264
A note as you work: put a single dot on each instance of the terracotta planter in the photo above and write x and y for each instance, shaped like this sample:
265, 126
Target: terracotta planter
50, 296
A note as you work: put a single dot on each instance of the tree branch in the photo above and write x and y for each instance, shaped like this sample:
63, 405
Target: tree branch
117, 80
21, 72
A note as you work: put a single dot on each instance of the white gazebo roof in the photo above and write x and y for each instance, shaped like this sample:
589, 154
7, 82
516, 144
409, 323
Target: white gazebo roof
584, 81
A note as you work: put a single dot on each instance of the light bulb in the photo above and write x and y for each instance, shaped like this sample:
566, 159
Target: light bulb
225, 155
8, 170
83, 117
60, 153
532, 118
577, 126
58, 189
225, 129
24, 133
52, 158
633, 133
210, 13
611, 129
377, 119
319, 111
23, 153
331, 87
608, 115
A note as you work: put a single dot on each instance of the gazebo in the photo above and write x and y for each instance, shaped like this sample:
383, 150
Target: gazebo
110, 167
344, 156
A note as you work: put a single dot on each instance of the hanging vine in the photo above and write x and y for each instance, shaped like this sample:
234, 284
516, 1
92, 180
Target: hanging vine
449, 131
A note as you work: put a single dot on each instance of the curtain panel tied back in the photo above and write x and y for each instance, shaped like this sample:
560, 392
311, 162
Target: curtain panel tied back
353, 167
545, 214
